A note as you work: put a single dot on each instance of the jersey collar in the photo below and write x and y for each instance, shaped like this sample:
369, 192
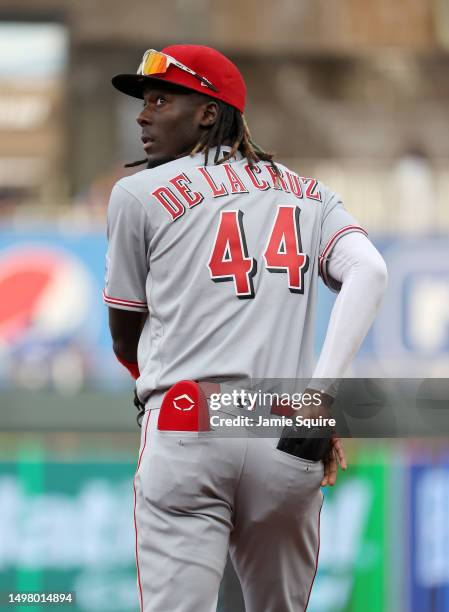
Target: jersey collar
224, 149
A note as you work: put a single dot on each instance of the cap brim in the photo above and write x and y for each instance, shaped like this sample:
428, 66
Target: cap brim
130, 84
134, 84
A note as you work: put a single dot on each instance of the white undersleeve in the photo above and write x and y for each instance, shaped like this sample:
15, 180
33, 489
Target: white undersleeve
357, 264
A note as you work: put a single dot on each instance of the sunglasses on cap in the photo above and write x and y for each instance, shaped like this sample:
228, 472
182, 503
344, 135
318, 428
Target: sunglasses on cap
156, 62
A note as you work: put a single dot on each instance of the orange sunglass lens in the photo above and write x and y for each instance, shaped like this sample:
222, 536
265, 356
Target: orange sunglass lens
155, 63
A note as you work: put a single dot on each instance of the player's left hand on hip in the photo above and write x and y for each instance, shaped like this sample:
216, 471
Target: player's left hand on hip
335, 456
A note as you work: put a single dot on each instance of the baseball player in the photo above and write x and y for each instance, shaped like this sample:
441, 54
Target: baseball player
214, 254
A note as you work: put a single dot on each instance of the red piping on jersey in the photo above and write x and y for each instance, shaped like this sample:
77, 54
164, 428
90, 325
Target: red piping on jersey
317, 555
121, 302
330, 242
135, 504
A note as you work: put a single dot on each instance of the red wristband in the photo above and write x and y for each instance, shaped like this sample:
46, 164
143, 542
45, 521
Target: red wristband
133, 368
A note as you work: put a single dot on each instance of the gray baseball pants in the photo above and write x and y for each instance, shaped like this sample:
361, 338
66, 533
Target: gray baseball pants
198, 495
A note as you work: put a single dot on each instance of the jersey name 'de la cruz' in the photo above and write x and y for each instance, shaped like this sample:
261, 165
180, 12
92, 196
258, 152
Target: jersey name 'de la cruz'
226, 260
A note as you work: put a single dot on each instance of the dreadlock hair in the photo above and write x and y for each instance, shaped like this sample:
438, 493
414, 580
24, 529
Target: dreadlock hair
229, 127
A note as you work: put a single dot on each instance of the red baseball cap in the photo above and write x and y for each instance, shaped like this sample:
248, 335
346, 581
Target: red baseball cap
214, 74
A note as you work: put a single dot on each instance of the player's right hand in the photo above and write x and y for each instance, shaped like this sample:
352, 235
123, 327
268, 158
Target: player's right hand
140, 408
335, 456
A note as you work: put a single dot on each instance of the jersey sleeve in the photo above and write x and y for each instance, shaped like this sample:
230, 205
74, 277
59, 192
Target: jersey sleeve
335, 223
127, 253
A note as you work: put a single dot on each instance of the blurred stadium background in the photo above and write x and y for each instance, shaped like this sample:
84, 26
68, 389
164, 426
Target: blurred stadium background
352, 92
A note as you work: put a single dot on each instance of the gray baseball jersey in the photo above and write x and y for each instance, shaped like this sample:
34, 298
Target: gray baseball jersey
226, 260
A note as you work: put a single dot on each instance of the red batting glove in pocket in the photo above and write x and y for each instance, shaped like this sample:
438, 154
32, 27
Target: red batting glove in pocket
184, 408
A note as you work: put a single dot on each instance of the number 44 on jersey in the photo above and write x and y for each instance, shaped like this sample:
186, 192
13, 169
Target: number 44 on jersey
230, 261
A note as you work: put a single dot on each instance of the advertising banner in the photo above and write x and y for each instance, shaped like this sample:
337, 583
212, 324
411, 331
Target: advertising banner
353, 567
68, 527
428, 575
53, 324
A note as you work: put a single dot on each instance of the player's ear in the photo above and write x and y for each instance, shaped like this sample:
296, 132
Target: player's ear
209, 114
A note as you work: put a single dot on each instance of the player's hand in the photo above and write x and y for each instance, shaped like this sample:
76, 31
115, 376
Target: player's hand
140, 408
335, 456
